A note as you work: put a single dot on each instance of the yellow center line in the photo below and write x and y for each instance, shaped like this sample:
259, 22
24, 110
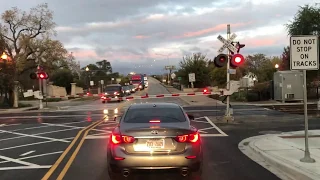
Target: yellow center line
56, 164
73, 156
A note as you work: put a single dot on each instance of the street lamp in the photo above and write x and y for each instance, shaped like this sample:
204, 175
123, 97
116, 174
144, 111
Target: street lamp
4, 56
87, 69
276, 66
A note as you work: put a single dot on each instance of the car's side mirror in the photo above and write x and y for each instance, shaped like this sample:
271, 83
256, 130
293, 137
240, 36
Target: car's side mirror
191, 117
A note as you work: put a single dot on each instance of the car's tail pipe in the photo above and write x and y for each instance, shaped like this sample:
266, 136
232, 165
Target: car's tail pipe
184, 172
125, 173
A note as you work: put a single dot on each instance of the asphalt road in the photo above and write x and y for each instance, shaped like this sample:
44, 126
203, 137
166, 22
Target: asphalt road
30, 143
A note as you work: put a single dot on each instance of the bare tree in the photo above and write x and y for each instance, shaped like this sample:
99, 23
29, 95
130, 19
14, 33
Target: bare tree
22, 31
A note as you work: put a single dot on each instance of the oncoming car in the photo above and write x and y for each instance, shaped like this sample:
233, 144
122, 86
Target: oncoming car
154, 136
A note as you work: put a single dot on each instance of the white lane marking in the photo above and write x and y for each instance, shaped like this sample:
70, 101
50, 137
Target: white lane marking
98, 134
17, 161
207, 128
31, 144
200, 121
97, 137
202, 131
74, 127
24, 154
34, 156
40, 116
22, 136
216, 127
34, 136
267, 109
6, 125
198, 118
24, 167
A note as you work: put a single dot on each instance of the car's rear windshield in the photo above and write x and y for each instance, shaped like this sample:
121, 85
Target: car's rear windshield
145, 115
112, 88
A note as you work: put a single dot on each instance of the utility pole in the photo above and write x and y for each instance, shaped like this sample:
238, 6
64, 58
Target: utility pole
170, 67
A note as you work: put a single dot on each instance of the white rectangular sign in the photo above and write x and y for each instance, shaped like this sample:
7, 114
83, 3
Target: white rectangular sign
304, 53
192, 77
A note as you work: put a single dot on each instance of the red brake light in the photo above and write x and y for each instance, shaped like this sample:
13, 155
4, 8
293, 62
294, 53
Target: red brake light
128, 139
205, 90
154, 121
193, 138
118, 139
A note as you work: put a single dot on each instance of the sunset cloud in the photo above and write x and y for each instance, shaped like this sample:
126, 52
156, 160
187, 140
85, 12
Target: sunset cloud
132, 33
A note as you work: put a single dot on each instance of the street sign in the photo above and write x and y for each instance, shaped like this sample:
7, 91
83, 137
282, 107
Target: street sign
304, 53
91, 83
227, 43
173, 75
232, 71
192, 77
179, 78
102, 81
170, 67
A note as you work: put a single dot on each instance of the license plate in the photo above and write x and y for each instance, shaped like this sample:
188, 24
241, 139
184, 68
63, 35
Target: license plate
155, 144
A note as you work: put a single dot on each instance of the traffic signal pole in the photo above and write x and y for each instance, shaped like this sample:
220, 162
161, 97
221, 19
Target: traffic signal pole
40, 89
227, 113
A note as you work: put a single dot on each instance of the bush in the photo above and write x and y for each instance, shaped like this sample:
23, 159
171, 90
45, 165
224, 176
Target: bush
239, 96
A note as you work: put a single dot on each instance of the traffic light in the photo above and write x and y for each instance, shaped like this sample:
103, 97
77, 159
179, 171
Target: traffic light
33, 76
236, 60
221, 60
43, 75
39, 75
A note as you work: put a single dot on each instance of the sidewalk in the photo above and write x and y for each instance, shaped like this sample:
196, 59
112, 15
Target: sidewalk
195, 100
51, 106
281, 154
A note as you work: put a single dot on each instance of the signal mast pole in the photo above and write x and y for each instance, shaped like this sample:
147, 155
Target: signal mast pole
227, 113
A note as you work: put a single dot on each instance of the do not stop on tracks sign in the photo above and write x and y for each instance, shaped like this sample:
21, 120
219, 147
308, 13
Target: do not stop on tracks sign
304, 53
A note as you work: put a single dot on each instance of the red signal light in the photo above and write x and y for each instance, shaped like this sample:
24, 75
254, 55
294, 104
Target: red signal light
236, 60
43, 75
221, 60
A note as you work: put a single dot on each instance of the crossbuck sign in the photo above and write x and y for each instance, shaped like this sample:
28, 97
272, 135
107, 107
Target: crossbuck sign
227, 43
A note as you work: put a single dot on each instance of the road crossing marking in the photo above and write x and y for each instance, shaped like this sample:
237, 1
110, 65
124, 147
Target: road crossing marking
34, 136
27, 153
17, 161
24, 167
35, 156
215, 126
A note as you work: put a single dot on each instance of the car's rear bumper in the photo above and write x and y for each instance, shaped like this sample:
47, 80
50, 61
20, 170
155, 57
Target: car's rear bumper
165, 161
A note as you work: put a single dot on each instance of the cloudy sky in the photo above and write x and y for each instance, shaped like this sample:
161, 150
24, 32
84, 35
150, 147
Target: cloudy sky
145, 35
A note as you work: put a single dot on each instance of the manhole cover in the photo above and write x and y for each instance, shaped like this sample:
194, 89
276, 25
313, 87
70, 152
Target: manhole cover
270, 132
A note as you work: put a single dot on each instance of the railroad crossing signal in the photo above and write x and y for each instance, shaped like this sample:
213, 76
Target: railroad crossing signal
227, 43
235, 59
39, 75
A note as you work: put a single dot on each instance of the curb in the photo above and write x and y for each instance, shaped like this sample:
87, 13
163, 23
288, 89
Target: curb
282, 165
